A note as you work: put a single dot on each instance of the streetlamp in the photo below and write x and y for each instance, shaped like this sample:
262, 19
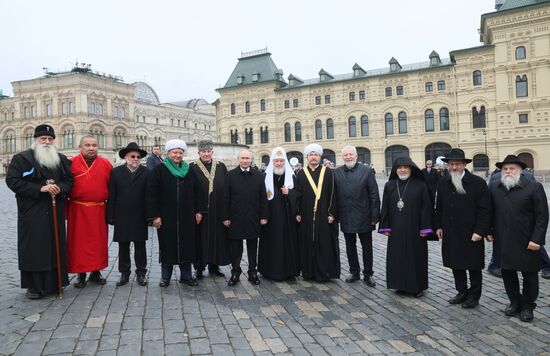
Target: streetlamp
487, 156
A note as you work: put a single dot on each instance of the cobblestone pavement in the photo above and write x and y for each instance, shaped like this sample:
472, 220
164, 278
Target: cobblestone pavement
299, 318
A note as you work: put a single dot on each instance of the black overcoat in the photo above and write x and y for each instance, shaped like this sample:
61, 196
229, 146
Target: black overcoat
175, 201
245, 203
35, 232
461, 215
520, 215
431, 180
358, 198
126, 204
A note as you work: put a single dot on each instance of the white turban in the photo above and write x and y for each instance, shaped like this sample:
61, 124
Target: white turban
314, 147
172, 144
277, 153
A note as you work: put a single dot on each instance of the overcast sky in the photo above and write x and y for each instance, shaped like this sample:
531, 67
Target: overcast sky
187, 49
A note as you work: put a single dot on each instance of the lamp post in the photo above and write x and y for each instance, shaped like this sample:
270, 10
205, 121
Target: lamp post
485, 141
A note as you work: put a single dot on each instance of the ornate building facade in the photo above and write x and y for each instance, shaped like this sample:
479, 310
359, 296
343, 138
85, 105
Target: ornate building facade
491, 100
83, 102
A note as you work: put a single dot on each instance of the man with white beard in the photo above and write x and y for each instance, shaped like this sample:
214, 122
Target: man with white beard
358, 202
28, 176
462, 220
520, 220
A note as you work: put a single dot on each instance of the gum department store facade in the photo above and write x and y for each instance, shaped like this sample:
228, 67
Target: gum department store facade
489, 100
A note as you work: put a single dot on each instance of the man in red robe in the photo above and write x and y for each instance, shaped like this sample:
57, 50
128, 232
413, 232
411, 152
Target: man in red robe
86, 224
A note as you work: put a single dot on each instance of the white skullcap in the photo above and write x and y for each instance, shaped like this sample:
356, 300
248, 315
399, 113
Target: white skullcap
314, 147
278, 153
172, 144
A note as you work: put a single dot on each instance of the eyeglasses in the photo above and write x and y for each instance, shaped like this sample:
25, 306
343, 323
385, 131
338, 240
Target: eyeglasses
135, 156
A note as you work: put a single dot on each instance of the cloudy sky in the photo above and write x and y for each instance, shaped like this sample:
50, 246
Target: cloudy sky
187, 49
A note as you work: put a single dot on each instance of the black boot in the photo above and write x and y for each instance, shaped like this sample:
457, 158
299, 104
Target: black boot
253, 278
214, 270
459, 298
353, 278
124, 279
97, 278
234, 279
34, 294
140, 278
199, 273
370, 281
80, 281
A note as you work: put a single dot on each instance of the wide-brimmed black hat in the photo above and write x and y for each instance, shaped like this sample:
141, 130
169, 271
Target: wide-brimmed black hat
132, 146
511, 159
44, 130
456, 154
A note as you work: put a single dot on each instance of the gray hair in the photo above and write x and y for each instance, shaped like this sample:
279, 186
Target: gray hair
245, 150
349, 147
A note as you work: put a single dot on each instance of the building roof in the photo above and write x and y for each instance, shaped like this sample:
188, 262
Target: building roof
145, 93
258, 62
512, 4
194, 104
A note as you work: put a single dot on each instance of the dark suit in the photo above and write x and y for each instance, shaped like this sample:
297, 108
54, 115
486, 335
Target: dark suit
431, 179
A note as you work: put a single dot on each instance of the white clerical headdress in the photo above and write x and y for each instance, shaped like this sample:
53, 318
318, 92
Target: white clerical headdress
278, 153
314, 147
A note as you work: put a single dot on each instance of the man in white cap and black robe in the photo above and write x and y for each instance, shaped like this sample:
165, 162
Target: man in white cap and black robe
278, 256
318, 229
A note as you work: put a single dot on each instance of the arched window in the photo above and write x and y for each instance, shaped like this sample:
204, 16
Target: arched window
92, 108
352, 127
476, 76
481, 162
97, 132
527, 158
478, 118
436, 149
318, 130
330, 129
520, 52
29, 138
68, 138
389, 123
9, 142
392, 153
262, 105
363, 155
364, 125
402, 116
264, 135
265, 160
248, 136
521, 86
232, 108
329, 154
119, 139
296, 154
444, 123
288, 134
429, 120
247, 107
297, 131
235, 136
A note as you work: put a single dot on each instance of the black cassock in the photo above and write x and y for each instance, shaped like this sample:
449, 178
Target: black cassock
317, 239
407, 253
278, 258
35, 233
212, 241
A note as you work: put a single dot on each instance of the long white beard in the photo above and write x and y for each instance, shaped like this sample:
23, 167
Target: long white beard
46, 155
456, 179
403, 176
279, 171
350, 164
510, 180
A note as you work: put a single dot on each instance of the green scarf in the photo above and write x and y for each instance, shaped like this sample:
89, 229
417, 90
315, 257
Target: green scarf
177, 170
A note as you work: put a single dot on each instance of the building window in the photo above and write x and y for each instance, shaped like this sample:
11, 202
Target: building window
118, 140
33, 111
48, 109
26, 112
248, 136
71, 107
351, 96
234, 136
388, 91
327, 99
520, 52
317, 100
121, 112
64, 108
247, 107
318, 130
389, 124
287, 104
9, 142
262, 105
364, 125
523, 118
100, 138
478, 118
28, 139
402, 118
115, 111
92, 108
429, 124
297, 131
330, 128
521, 86
399, 90
362, 95
444, 123
441, 85
156, 121
232, 108
68, 139
352, 127
99, 109
179, 123
295, 103
288, 134
476, 75
264, 136
429, 87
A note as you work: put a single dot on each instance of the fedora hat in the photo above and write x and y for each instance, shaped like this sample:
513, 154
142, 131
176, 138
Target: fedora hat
456, 154
132, 146
511, 159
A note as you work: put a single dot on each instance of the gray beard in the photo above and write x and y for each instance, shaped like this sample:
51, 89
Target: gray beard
456, 179
278, 171
350, 164
46, 155
510, 181
404, 176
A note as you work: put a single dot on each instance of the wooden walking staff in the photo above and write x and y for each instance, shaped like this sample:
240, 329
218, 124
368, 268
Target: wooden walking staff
56, 237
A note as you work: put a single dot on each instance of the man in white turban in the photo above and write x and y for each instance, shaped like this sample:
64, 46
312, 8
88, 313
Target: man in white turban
318, 230
278, 258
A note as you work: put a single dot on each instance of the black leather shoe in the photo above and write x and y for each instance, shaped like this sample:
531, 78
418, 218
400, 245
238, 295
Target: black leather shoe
459, 298
97, 278
370, 281
353, 278
418, 294
495, 272
216, 272
470, 303
140, 278
124, 279
526, 315
80, 281
233, 280
191, 282
164, 283
253, 278
199, 274
34, 294
511, 310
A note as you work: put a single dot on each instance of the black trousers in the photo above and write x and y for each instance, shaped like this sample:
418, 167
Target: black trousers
461, 282
351, 251
236, 252
527, 299
140, 257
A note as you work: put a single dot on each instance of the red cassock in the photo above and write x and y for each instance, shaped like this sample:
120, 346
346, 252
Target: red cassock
86, 224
